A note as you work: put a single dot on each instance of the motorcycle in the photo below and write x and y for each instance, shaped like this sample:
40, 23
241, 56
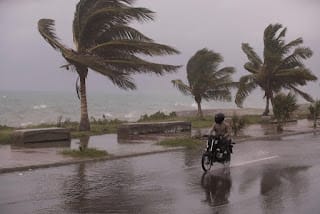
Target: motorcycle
217, 151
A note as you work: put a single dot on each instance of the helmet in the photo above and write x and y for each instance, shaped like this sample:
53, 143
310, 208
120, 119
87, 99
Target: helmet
219, 118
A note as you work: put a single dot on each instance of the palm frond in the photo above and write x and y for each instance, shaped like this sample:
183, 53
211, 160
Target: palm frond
303, 52
47, 31
245, 86
224, 71
251, 54
270, 31
183, 88
202, 65
123, 81
86, 7
218, 94
286, 48
107, 17
297, 76
254, 69
121, 32
282, 34
134, 47
137, 65
305, 96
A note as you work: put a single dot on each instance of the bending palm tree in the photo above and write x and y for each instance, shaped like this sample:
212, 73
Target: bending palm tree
106, 44
282, 67
206, 81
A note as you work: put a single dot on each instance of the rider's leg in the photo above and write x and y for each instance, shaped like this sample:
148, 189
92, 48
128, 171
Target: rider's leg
210, 140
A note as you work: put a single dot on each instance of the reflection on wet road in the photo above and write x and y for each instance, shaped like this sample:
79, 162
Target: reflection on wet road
264, 177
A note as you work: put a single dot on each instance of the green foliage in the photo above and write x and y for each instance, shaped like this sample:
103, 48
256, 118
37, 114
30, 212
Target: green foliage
281, 68
253, 119
189, 143
205, 80
283, 107
196, 122
5, 134
204, 122
158, 116
237, 123
86, 153
314, 110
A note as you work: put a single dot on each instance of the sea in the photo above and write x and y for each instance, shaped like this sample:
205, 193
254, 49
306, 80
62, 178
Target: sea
23, 108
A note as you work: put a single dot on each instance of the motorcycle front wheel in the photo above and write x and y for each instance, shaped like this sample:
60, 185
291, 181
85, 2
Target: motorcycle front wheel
206, 161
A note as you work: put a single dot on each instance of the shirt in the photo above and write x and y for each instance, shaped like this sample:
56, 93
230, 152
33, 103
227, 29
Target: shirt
222, 129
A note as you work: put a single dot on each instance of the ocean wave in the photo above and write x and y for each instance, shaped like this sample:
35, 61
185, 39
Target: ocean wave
25, 124
37, 107
107, 115
130, 115
194, 105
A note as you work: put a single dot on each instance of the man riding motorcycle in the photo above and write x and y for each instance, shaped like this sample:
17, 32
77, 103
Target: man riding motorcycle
221, 130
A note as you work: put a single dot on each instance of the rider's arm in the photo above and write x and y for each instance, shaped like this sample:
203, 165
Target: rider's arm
212, 130
228, 131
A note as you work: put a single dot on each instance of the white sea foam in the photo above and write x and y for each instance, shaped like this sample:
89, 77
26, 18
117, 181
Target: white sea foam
181, 105
26, 124
37, 107
130, 115
108, 114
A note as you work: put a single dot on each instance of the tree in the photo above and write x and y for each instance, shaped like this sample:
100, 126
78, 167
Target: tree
205, 80
283, 107
314, 109
105, 43
281, 67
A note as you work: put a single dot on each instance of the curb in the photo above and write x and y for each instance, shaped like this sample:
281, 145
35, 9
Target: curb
78, 161
271, 137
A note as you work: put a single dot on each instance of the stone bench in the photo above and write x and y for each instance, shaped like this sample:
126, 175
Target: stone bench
133, 129
24, 136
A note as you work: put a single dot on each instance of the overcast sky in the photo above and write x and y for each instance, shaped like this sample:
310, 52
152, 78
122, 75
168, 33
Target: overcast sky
27, 62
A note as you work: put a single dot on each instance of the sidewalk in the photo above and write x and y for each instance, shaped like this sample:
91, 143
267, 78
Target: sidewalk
14, 158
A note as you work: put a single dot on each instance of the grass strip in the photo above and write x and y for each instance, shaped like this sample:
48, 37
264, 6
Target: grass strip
86, 153
189, 143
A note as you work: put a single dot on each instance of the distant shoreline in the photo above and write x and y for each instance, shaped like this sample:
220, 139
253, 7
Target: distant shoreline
227, 112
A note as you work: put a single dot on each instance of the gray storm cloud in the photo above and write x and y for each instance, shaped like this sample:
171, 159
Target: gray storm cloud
29, 63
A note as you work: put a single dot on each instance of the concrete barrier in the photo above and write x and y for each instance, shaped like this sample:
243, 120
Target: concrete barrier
133, 129
24, 136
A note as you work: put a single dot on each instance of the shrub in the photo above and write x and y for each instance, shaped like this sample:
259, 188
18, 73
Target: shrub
283, 107
314, 110
237, 123
157, 116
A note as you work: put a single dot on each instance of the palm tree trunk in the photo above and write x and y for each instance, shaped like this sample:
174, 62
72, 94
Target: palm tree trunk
200, 114
198, 101
84, 119
267, 111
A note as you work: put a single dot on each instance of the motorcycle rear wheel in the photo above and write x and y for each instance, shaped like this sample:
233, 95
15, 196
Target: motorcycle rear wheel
206, 161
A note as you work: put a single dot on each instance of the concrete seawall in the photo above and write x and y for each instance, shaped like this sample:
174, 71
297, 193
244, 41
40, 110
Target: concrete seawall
133, 129
25, 136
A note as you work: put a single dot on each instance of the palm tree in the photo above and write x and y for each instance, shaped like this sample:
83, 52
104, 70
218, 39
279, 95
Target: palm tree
281, 67
206, 81
105, 43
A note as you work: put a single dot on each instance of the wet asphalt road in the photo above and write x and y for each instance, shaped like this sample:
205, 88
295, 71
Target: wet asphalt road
280, 176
